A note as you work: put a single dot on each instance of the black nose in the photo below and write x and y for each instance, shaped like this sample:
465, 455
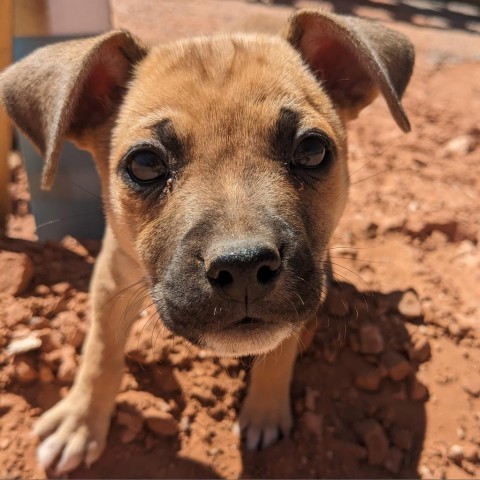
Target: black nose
243, 270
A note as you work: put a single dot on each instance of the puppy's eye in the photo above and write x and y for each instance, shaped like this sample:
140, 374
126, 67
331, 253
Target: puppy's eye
311, 151
145, 166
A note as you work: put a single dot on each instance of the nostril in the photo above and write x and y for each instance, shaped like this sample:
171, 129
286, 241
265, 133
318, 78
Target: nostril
266, 275
224, 279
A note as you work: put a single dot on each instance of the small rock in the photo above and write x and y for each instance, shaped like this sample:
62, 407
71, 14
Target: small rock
371, 339
61, 288
128, 436
420, 351
140, 401
425, 472
25, 371
313, 423
466, 324
368, 378
410, 306
16, 272
203, 396
460, 145
402, 438
185, 424
461, 433
397, 365
24, 345
472, 385
394, 460
345, 449
375, 440
470, 453
418, 391
161, 423
469, 467
455, 453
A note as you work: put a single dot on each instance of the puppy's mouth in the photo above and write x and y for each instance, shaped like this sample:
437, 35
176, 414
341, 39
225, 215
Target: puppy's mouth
246, 336
247, 322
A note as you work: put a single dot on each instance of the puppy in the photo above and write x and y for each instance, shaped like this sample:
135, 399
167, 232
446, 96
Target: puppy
223, 163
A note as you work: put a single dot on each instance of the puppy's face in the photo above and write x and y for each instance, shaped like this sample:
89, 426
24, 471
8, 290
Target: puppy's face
223, 160
229, 170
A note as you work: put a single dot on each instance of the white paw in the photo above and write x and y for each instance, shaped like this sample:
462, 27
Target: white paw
74, 435
264, 421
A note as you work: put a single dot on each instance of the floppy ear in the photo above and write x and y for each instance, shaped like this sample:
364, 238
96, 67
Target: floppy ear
354, 59
61, 90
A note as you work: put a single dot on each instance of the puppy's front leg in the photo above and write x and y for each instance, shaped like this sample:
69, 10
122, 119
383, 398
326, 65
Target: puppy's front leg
266, 410
77, 426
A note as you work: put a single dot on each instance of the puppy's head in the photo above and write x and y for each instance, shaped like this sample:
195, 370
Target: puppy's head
223, 159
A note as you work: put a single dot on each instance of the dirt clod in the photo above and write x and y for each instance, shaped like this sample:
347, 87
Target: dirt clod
16, 272
375, 439
161, 423
371, 340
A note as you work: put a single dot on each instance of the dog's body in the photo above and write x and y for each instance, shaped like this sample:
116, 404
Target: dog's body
224, 174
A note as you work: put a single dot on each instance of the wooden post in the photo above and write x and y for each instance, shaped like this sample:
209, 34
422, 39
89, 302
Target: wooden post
6, 43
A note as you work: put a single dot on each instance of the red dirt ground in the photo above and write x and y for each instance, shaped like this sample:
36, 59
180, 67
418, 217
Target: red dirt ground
391, 384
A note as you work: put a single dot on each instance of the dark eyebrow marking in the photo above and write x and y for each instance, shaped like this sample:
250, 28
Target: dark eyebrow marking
168, 137
284, 134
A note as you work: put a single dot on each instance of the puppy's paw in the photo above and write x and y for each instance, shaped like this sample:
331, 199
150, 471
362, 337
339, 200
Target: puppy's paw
74, 434
264, 419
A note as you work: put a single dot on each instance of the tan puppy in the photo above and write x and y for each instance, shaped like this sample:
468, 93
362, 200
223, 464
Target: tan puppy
223, 163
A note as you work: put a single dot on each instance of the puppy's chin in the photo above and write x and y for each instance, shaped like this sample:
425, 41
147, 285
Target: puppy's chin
250, 341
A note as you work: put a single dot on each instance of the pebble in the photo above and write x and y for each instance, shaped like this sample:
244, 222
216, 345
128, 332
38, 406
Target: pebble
394, 460
410, 306
455, 453
371, 339
375, 440
418, 391
369, 379
460, 145
398, 367
203, 396
16, 272
128, 436
23, 345
25, 371
472, 386
161, 423
420, 351
313, 422
471, 453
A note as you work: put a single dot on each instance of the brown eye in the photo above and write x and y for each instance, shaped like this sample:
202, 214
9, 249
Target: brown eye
146, 166
311, 151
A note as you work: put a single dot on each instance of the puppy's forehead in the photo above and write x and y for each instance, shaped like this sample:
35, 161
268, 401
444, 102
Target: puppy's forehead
241, 83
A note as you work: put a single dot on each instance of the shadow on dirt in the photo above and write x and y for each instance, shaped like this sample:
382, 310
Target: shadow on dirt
358, 407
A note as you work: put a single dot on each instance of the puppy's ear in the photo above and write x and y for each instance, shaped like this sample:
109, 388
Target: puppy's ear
354, 59
62, 90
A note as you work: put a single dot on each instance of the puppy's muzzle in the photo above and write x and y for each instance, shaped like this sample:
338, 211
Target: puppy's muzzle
243, 270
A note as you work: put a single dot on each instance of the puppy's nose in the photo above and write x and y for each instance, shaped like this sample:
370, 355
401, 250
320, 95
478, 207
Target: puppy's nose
243, 270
